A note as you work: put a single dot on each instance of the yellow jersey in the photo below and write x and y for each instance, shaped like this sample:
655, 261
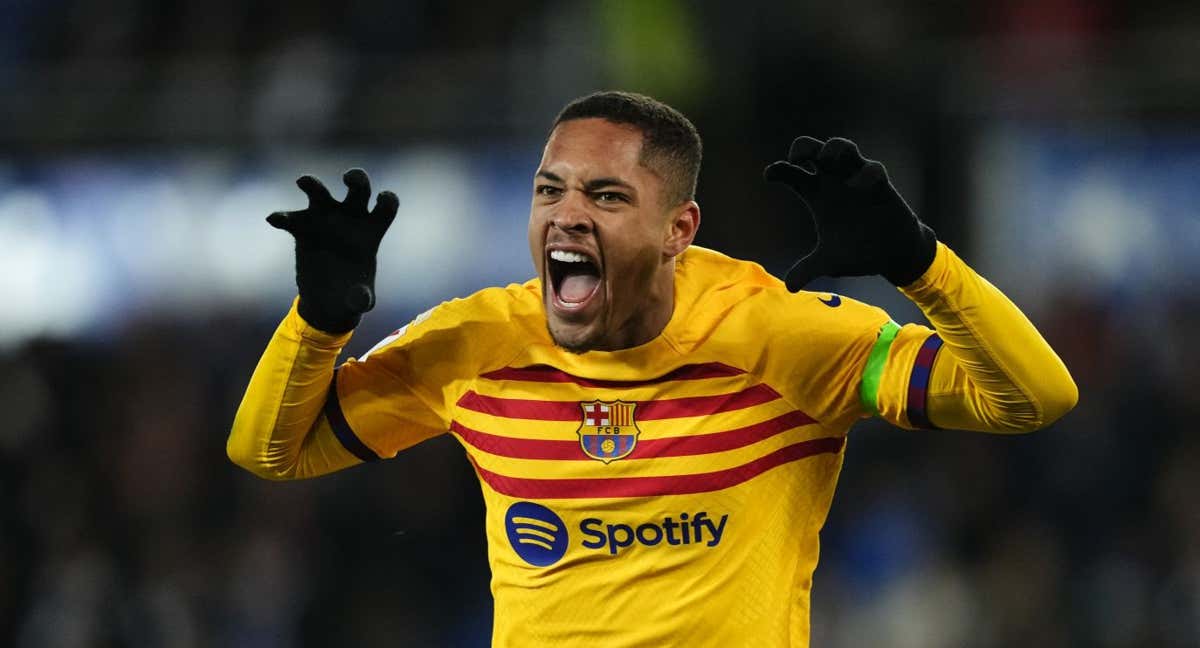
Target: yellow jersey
666, 494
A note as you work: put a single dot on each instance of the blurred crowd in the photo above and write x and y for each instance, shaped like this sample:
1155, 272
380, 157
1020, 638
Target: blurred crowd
123, 524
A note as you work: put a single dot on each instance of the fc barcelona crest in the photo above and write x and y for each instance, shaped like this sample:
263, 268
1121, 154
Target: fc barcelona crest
608, 431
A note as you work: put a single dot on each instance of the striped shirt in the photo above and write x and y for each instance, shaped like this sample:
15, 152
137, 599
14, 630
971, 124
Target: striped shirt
668, 493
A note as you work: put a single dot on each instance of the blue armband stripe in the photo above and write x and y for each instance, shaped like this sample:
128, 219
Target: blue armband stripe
341, 429
918, 383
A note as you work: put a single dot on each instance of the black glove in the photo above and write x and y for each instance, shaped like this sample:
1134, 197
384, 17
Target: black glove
863, 225
336, 244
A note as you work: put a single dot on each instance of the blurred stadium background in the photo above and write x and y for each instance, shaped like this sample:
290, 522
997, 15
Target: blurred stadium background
1054, 143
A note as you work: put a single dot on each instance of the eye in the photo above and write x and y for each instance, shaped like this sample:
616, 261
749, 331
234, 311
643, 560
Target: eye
611, 197
548, 191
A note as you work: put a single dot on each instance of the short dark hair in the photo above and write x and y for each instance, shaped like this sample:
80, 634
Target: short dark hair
670, 143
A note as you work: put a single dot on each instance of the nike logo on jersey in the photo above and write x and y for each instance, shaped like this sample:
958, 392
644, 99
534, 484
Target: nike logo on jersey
833, 302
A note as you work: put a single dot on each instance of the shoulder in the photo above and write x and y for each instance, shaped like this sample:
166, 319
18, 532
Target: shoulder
502, 307
486, 324
743, 293
704, 270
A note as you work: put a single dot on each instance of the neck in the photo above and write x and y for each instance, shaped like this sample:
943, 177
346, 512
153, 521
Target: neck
650, 320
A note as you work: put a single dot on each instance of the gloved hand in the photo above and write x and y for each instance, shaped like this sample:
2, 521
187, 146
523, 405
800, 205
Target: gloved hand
863, 225
336, 244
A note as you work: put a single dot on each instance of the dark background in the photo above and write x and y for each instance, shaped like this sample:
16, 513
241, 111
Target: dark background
123, 524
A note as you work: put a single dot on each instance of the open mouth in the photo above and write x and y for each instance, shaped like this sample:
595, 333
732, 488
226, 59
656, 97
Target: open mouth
575, 278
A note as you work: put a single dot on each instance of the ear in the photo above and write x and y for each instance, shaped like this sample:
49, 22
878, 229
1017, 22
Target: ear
682, 224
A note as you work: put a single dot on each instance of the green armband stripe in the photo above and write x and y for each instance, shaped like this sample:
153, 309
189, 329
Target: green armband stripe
868, 389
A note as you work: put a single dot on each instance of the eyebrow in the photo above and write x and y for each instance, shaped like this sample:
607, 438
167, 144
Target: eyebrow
598, 183
590, 185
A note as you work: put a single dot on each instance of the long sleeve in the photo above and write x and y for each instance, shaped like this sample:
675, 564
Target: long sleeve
994, 371
279, 431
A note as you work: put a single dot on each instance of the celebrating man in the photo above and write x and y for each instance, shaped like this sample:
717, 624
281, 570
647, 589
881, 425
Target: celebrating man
657, 428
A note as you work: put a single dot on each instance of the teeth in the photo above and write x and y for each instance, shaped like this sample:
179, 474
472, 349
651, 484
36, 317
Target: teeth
568, 257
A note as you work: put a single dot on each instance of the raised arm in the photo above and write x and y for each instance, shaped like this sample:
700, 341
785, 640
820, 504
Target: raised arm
991, 369
280, 430
994, 372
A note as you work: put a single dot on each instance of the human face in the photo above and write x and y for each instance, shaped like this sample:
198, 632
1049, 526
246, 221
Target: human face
602, 241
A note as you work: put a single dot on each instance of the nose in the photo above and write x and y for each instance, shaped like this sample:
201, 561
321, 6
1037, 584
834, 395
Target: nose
572, 217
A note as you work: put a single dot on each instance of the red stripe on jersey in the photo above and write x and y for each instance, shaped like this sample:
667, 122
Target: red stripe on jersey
681, 446
655, 486
548, 374
669, 408
521, 408
503, 446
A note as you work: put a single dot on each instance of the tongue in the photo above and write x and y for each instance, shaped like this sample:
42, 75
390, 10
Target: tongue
577, 287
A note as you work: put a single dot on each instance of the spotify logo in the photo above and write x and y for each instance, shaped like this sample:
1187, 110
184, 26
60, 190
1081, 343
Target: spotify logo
536, 533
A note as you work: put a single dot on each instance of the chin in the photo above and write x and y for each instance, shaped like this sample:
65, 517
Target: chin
573, 339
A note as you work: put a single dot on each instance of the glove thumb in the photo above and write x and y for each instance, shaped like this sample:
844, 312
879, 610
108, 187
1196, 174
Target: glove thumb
360, 298
801, 181
804, 271
283, 221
